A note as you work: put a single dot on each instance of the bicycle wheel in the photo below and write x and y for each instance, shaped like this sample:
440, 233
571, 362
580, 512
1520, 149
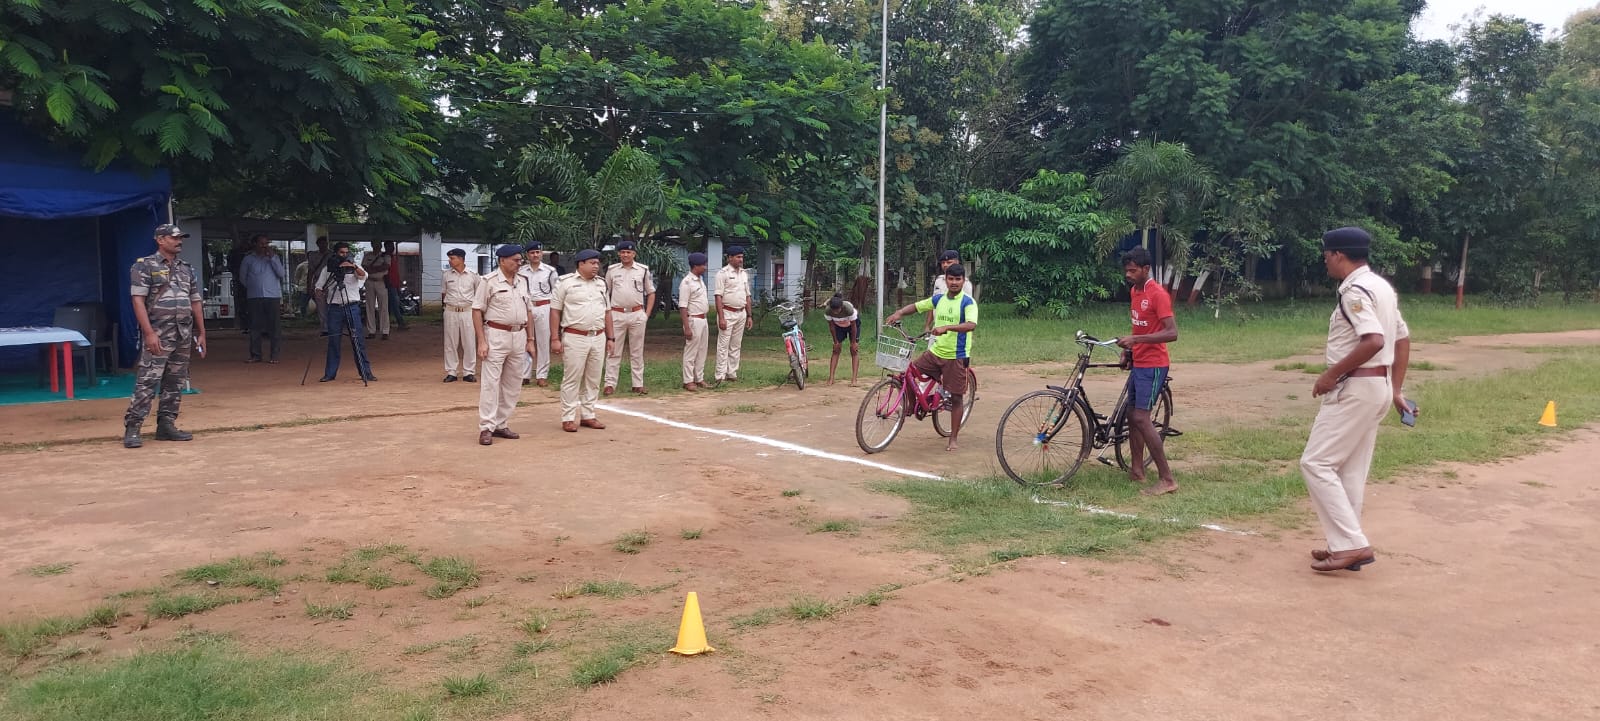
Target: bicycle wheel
1161, 415
1043, 438
805, 355
796, 369
882, 414
941, 417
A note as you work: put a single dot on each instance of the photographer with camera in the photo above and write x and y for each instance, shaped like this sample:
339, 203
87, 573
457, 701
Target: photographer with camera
340, 284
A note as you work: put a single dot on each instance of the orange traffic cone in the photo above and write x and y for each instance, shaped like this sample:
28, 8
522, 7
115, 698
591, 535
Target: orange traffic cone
1549, 417
691, 631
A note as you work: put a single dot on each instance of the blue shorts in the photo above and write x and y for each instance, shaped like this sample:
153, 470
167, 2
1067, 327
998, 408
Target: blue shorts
1147, 383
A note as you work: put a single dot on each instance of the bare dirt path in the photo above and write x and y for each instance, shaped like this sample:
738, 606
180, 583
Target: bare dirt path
1481, 607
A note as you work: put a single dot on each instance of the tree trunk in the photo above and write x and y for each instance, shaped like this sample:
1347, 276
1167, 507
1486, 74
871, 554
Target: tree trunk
1194, 293
1461, 278
1427, 279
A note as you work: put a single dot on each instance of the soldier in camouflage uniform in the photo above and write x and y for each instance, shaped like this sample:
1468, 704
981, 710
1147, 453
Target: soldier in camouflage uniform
166, 301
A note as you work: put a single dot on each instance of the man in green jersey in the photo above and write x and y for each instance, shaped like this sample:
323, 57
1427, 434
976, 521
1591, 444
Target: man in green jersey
955, 317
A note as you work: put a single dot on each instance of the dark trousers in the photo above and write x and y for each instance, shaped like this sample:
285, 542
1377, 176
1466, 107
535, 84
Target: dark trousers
340, 318
395, 311
265, 323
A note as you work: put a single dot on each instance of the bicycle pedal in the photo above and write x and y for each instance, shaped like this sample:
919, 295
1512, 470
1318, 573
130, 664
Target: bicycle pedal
1101, 458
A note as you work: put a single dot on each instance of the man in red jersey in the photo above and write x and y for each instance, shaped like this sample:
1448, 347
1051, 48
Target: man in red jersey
1153, 328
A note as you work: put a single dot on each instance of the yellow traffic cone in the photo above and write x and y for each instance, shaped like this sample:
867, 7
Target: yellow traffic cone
1549, 417
691, 631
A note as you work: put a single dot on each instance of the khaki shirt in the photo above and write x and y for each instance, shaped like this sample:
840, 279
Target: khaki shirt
168, 288
1367, 304
733, 287
376, 264
692, 295
461, 288
629, 286
583, 303
541, 280
503, 301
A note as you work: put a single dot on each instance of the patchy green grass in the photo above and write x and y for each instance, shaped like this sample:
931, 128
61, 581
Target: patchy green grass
811, 608
185, 604
791, 493
522, 649
536, 623
632, 541
463, 646
742, 408
756, 619
875, 596
606, 663
607, 589
838, 525
691, 534
198, 681
467, 687
45, 570
341, 611
452, 574
239, 572
23, 638
1302, 366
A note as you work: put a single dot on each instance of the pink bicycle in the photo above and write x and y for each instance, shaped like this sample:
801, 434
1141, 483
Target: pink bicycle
905, 392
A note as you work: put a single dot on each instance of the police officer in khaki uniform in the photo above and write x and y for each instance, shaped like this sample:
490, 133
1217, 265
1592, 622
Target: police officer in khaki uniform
633, 291
580, 323
501, 314
167, 304
460, 337
1369, 347
693, 302
732, 291
542, 278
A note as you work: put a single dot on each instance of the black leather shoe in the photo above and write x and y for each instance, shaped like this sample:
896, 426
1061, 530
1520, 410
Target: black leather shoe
470, 378
450, 379
370, 378
324, 379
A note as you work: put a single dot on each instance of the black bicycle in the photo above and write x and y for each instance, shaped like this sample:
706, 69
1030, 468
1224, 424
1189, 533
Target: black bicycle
1045, 435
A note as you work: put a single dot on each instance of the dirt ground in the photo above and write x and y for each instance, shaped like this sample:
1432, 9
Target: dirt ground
1481, 608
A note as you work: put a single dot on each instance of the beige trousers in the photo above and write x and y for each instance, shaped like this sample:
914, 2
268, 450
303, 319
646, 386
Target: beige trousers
500, 383
728, 344
1339, 454
628, 329
539, 361
694, 351
377, 302
583, 361
460, 343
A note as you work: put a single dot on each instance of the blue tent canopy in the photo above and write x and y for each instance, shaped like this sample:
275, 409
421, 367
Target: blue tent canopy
75, 230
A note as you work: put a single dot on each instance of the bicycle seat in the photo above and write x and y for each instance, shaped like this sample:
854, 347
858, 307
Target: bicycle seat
788, 325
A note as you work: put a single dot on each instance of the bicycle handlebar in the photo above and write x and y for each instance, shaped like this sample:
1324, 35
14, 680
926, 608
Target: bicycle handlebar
1087, 339
912, 338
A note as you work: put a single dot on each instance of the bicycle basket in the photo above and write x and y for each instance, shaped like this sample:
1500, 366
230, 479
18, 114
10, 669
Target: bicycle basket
894, 354
789, 314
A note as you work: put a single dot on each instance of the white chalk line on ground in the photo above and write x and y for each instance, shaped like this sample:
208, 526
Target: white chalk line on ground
814, 453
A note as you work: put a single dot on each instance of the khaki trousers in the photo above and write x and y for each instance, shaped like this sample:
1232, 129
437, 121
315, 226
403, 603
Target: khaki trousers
628, 329
583, 361
501, 377
377, 302
728, 344
1339, 454
460, 343
541, 344
694, 351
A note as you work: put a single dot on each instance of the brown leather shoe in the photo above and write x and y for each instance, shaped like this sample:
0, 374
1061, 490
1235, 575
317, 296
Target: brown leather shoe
542, 383
569, 426
609, 390
506, 433
639, 390
592, 423
692, 388
1320, 554
1346, 560
485, 438
702, 385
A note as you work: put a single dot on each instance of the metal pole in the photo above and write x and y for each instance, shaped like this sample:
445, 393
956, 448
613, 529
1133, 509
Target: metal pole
883, 147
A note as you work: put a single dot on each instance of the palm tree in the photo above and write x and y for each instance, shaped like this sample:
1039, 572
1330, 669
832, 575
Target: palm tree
627, 195
1157, 187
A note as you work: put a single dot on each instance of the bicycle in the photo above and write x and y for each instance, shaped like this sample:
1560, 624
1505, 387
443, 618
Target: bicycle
794, 343
904, 392
1044, 436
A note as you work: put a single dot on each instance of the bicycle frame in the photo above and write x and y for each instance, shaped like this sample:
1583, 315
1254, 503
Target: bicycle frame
1104, 430
922, 390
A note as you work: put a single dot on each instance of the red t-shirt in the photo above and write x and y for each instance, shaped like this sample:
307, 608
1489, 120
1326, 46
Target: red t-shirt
1150, 304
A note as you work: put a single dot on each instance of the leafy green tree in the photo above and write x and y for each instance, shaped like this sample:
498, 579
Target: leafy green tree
1038, 244
1563, 237
1161, 190
254, 104
627, 196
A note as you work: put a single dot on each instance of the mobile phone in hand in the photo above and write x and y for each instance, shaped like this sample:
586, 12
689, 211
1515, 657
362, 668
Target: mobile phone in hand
1409, 415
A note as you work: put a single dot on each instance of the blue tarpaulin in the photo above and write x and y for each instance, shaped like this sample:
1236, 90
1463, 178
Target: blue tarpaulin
68, 233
